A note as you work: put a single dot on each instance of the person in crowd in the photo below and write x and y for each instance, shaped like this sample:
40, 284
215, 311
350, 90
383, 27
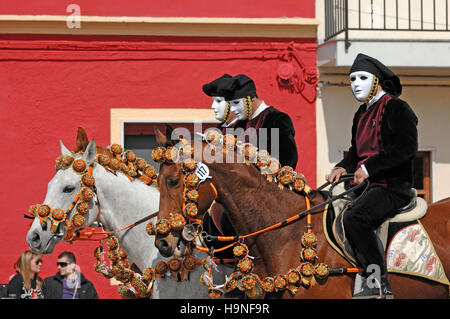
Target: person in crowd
252, 112
69, 282
26, 283
383, 147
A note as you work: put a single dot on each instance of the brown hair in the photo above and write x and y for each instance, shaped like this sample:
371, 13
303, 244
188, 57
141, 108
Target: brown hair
23, 267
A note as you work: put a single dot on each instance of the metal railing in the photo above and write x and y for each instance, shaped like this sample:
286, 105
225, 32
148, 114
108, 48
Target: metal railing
385, 15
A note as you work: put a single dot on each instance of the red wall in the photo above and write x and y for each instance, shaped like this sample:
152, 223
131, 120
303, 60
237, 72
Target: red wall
50, 85
164, 8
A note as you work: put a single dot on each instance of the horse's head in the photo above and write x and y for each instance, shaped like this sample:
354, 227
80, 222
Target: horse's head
183, 201
70, 203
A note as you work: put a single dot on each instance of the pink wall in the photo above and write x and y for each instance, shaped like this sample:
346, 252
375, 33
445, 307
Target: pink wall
163, 8
50, 85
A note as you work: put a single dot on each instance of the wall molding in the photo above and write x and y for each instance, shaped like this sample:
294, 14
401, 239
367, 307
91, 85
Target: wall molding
162, 26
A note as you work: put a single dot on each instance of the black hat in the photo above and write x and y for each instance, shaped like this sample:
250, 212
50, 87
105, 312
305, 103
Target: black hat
213, 88
388, 80
238, 87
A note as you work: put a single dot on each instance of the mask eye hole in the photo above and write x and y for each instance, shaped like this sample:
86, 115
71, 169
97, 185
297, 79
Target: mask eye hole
363, 77
68, 189
353, 78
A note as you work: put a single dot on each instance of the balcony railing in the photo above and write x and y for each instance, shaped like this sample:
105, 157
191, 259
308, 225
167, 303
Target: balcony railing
384, 15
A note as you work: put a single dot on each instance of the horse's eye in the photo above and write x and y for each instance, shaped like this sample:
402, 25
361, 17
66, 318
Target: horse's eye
172, 182
68, 189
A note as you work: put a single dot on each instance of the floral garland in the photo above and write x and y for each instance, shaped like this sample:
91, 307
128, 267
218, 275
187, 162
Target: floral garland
309, 271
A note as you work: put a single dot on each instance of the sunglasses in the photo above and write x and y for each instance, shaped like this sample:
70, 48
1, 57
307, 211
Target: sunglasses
39, 261
61, 264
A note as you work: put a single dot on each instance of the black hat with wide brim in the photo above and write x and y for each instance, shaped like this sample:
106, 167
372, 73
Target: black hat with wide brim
214, 88
238, 87
388, 80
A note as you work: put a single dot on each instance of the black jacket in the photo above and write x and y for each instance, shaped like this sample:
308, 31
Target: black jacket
399, 138
53, 288
16, 287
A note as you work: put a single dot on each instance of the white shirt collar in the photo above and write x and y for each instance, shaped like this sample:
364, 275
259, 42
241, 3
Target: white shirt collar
375, 98
259, 110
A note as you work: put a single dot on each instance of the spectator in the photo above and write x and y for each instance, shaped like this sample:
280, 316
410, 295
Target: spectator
69, 282
26, 283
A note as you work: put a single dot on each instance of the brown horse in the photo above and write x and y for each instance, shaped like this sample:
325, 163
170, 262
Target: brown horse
253, 203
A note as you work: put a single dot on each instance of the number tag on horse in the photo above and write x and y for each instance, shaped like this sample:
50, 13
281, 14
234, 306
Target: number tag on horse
202, 172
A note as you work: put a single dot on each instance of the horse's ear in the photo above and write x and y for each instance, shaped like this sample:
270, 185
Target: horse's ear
161, 139
90, 153
169, 130
82, 140
64, 150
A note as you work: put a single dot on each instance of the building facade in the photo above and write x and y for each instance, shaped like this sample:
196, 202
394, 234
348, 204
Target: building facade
412, 37
120, 69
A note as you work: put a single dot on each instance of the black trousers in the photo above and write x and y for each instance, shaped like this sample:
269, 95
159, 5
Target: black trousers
368, 212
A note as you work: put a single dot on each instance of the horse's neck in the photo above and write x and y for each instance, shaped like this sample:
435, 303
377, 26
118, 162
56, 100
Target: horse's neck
122, 203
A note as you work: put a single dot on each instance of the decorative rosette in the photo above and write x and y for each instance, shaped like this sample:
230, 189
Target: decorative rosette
231, 283
149, 274
116, 149
79, 166
191, 180
293, 277
43, 211
215, 293
139, 287
286, 175
32, 210
177, 222
161, 269
140, 164
268, 284
174, 264
299, 182
114, 164
306, 269
150, 171
189, 165
78, 220
245, 265
229, 142
82, 207
58, 214
171, 155
112, 242
103, 159
130, 156
158, 154
191, 195
280, 282
212, 136
240, 251
248, 151
189, 263
190, 210
86, 194
248, 282
88, 180
187, 151
151, 229
308, 254
163, 227
63, 162
321, 271
121, 253
309, 240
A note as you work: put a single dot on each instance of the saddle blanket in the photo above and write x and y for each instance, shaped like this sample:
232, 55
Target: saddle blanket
411, 252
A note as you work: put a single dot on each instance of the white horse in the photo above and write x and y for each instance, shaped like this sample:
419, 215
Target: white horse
122, 202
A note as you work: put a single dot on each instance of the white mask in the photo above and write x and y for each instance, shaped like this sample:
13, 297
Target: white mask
363, 85
241, 107
221, 108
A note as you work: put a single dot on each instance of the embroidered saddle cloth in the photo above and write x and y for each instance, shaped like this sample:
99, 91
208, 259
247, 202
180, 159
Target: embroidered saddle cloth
409, 249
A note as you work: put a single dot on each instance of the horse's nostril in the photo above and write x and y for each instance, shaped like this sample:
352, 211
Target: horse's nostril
163, 247
35, 240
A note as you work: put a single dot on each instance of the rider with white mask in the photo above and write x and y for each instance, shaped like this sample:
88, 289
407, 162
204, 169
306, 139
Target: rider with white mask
383, 147
220, 107
251, 112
